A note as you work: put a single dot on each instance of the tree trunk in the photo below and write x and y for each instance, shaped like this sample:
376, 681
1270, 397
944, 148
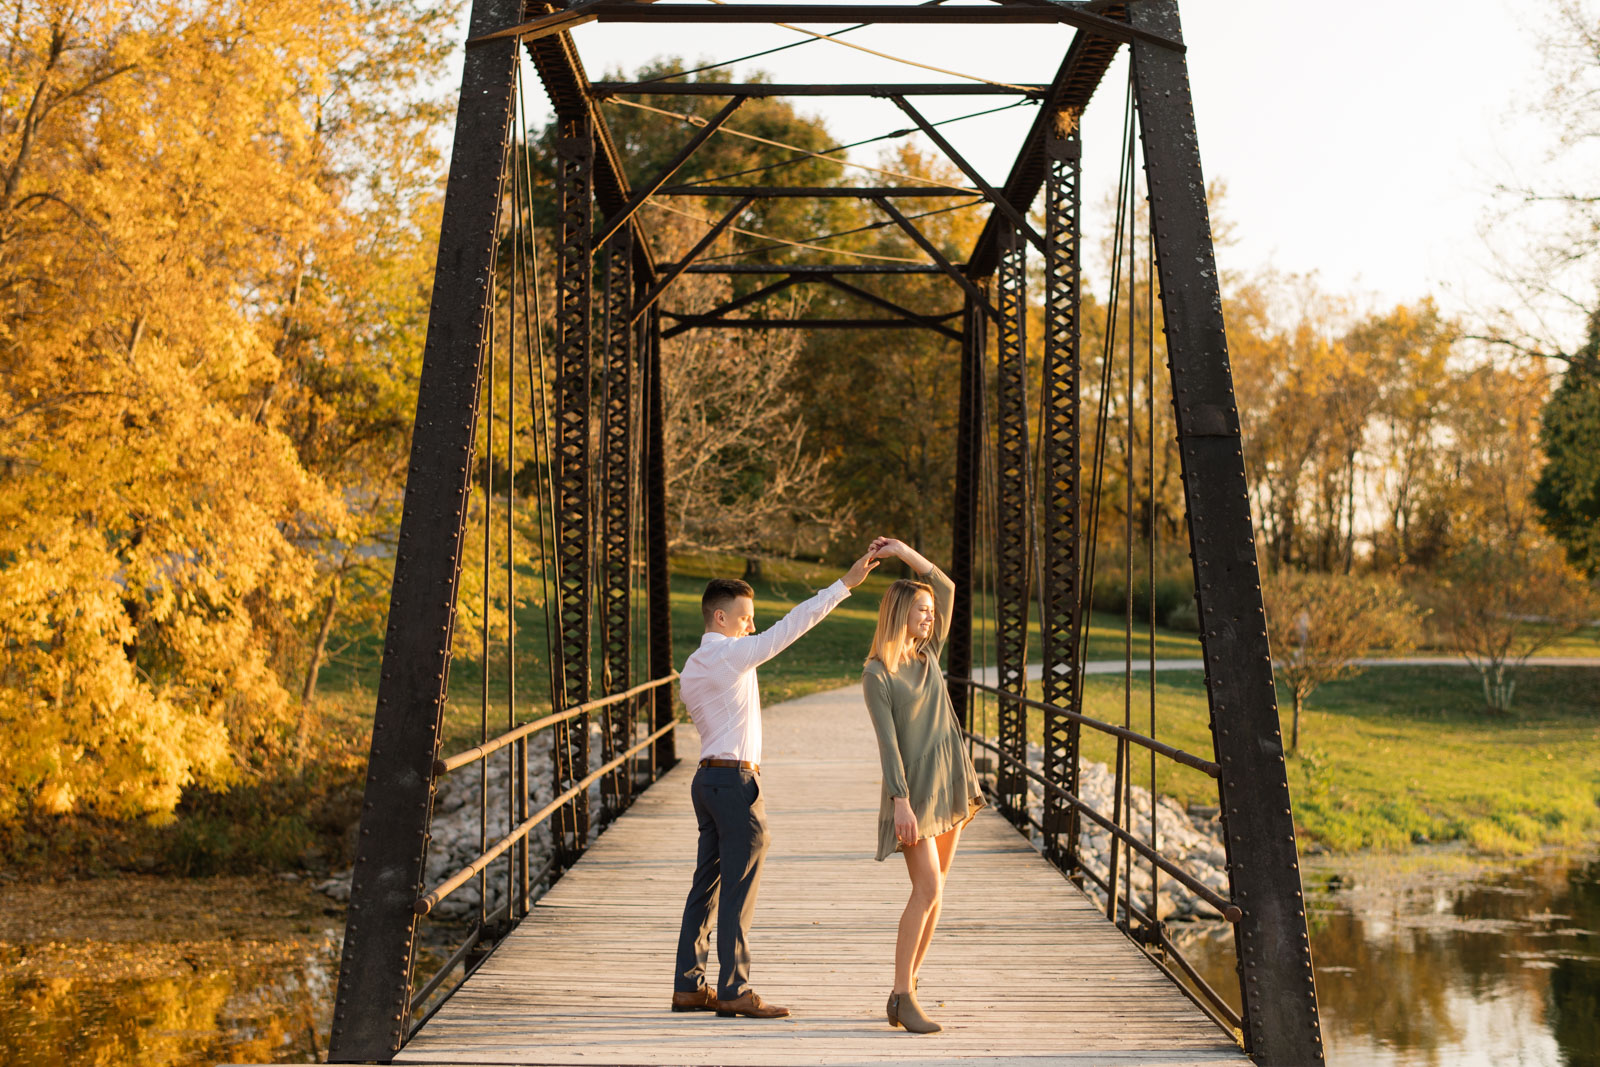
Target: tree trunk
1497, 693
315, 667
1350, 512
1294, 728
752, 570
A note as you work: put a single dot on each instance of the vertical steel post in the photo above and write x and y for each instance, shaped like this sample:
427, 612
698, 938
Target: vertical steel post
1276, 981
1011, 504
574, 538
964, 512
1060, 628
659, 579
372, 1006
616, 566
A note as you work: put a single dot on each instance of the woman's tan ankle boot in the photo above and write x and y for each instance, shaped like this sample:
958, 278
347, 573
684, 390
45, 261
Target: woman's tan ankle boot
903, 1010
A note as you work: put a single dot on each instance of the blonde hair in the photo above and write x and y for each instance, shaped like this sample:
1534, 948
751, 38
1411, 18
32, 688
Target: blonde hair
892, 644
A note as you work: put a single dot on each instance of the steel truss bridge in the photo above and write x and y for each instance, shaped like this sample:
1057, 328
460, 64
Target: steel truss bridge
589, 407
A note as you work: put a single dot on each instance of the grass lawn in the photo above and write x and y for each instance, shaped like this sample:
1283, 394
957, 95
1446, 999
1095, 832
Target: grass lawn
1397, 755
1584, 642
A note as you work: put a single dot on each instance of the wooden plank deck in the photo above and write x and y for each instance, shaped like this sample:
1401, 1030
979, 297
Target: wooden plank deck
1023, 969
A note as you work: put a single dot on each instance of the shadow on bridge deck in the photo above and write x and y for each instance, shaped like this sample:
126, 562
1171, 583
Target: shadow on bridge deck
1023, 967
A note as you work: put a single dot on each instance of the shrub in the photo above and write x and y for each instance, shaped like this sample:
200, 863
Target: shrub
1174, 583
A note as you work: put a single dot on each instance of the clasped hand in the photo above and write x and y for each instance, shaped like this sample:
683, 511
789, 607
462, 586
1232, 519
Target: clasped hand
886, 548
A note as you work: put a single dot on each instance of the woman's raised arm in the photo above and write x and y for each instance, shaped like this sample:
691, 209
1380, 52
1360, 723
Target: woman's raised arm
944, 590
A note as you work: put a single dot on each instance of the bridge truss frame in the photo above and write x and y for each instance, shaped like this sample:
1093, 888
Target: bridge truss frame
609, 330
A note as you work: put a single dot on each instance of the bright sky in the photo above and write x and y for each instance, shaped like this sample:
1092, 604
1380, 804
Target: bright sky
1359, 140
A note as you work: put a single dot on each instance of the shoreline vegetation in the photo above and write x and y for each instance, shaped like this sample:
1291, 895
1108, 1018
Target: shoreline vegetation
1395, 757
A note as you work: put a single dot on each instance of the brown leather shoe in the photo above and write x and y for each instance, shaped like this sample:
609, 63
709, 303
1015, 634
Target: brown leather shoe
701, 999
750, 1005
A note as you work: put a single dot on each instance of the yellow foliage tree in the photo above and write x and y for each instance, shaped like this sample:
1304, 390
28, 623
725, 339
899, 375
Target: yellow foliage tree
174, 180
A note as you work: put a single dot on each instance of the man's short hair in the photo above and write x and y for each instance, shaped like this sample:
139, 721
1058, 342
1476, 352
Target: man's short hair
720, 592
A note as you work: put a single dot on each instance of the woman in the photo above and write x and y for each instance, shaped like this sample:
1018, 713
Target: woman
930, 789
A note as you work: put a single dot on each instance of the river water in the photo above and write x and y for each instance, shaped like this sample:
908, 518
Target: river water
1431, 959
1437, 959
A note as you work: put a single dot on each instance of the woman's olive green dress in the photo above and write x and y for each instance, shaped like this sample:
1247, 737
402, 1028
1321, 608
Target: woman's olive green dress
919, 741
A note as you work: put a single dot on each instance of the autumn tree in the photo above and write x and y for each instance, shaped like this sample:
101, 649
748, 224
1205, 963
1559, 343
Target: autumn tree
1320, 625
883, 402
1499, 605
1407, 351
742, 474
183, 221
1289, 363
1503, 589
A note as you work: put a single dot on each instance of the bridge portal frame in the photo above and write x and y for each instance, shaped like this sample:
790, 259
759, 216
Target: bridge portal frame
1039, 553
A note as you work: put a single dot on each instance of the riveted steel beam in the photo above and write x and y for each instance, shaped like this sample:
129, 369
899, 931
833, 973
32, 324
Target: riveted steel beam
816, 268
720, 311
1060, 600
620, 218
616, 539
658, 578
602, 90
1276, 980
964, 512
1080, 74
821, 192
1092, 23
1012, 560
555, 58
373, 1003
574, 538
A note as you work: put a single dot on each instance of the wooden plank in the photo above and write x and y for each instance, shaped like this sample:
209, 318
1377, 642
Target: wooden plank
1023, 967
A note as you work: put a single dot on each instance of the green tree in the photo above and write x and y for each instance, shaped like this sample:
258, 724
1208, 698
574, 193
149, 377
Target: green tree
1568, 490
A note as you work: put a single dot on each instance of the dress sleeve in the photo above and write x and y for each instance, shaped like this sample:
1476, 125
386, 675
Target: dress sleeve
879, 705
944, 602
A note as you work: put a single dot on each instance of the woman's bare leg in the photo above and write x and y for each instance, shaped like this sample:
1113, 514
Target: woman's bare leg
922, 864
946, 846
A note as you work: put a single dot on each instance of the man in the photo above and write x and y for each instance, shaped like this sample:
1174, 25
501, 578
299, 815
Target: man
719, 685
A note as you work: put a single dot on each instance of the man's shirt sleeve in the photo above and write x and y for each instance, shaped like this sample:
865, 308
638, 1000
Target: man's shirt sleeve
748, 652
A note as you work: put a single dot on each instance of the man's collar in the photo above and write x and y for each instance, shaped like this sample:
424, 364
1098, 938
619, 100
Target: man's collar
711, 635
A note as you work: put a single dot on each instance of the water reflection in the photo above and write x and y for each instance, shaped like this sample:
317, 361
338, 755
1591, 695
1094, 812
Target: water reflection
1449, 966
141, 972
203, 1019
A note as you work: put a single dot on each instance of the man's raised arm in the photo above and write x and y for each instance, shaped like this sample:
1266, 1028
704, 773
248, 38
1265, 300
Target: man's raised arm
753, 651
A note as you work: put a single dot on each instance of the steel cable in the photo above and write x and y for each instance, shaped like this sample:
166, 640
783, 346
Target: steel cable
770, 51
833, 38
802, 154
780, 240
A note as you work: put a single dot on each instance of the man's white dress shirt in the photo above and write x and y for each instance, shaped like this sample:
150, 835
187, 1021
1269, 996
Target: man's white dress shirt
718, 682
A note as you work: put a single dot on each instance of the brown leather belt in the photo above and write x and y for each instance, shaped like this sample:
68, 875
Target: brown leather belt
744, 765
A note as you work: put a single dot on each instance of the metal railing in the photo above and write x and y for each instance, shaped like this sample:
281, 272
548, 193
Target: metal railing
517, 904
1145, 929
